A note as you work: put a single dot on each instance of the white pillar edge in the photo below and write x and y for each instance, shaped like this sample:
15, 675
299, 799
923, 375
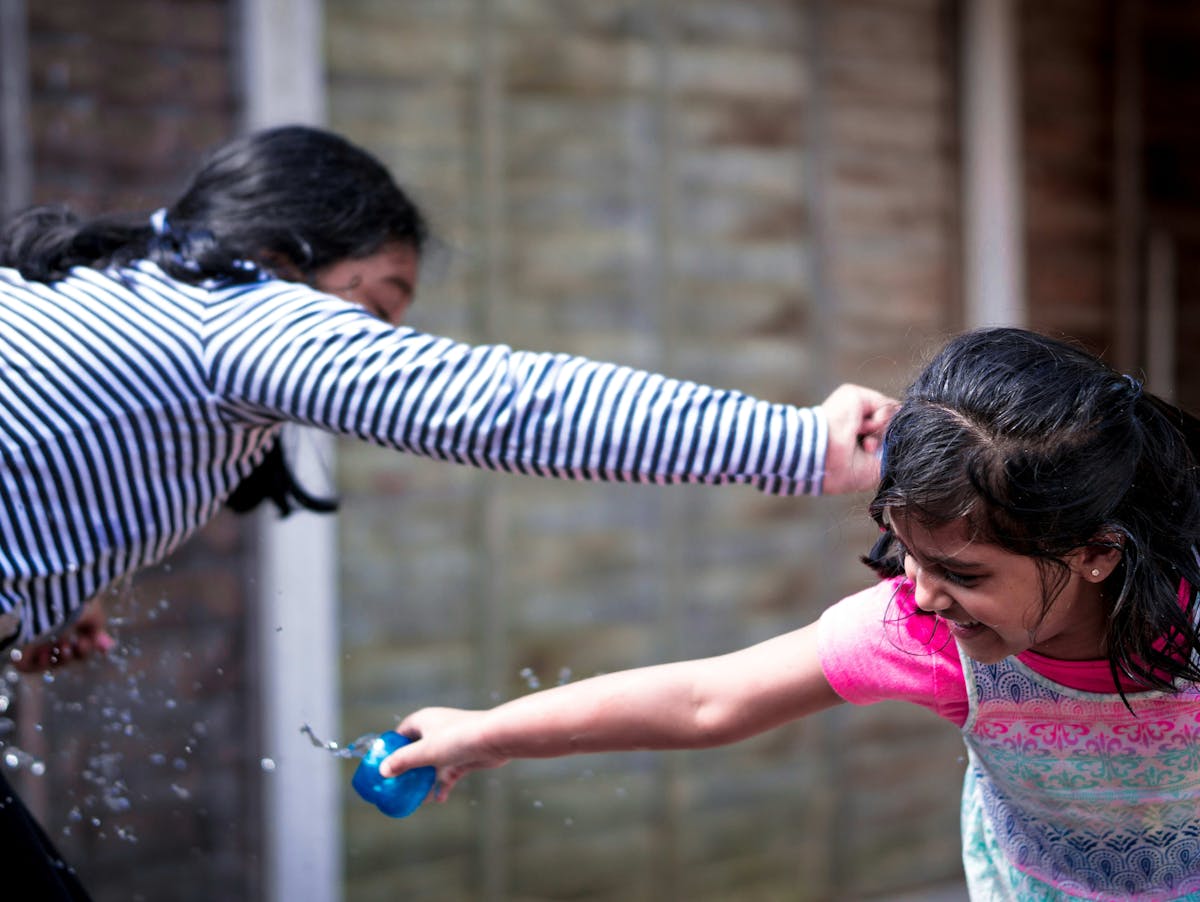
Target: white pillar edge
993, 212
297, 626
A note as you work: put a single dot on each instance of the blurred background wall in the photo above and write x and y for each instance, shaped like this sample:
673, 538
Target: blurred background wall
764, 195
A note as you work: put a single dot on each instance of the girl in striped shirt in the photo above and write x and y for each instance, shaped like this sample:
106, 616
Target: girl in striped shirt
146, 370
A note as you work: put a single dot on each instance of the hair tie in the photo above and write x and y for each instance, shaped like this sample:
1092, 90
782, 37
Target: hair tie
169, 242
158, 222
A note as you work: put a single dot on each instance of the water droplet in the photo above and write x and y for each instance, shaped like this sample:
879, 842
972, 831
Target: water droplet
268, 764
180, 791
530, 678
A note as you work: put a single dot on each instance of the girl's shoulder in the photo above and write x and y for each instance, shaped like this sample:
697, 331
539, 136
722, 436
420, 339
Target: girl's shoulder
877, 645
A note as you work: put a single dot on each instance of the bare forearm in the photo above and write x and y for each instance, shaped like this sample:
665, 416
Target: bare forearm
662, 707
690, 704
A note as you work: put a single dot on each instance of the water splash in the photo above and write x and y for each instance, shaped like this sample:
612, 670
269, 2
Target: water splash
355, 749
14, 757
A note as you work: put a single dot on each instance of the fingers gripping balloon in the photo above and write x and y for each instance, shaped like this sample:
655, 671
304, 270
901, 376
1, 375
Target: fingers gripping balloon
397, 796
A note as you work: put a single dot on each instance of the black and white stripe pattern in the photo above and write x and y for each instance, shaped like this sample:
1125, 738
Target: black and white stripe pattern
131, 406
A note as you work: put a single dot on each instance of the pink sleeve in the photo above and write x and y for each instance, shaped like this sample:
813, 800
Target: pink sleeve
877, 645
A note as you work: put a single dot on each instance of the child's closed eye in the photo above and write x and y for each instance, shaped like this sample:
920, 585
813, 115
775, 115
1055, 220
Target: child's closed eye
955, 578
958, 579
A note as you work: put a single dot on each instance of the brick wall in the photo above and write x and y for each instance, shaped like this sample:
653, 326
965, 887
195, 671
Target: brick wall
150, 787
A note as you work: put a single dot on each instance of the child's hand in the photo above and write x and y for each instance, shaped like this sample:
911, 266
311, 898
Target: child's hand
857, 417
446, 738
85, 636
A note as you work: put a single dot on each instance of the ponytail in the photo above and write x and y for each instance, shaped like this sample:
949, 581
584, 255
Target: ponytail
43, 243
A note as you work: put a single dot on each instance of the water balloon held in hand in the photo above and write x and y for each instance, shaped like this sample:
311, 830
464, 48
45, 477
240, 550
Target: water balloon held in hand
397, 796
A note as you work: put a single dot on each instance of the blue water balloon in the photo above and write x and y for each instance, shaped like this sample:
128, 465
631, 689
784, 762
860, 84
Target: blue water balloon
397, 796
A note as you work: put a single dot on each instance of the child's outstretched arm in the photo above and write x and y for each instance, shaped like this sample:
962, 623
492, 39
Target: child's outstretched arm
689, 704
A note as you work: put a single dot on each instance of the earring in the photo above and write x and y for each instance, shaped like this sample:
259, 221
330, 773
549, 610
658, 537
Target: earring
1095, 572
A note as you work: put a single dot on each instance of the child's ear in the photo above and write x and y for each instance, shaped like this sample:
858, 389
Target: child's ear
1095, 562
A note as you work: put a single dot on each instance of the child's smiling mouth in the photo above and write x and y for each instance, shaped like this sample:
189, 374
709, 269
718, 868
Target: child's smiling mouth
963, 628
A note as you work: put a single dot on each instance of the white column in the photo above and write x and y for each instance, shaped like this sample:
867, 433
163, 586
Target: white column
297, 594
993, 227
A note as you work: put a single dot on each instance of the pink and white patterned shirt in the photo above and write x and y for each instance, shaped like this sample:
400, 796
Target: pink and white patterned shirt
1069, 792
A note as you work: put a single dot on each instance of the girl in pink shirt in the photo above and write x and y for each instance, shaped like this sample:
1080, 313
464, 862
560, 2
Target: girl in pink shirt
1040, 518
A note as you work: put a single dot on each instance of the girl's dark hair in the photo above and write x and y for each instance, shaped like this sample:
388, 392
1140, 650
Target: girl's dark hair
1043, 449
294, 194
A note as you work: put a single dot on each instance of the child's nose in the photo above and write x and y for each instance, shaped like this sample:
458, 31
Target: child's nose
927, 592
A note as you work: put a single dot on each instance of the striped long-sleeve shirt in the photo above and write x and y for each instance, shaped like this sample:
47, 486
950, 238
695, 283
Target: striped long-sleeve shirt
131, 406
